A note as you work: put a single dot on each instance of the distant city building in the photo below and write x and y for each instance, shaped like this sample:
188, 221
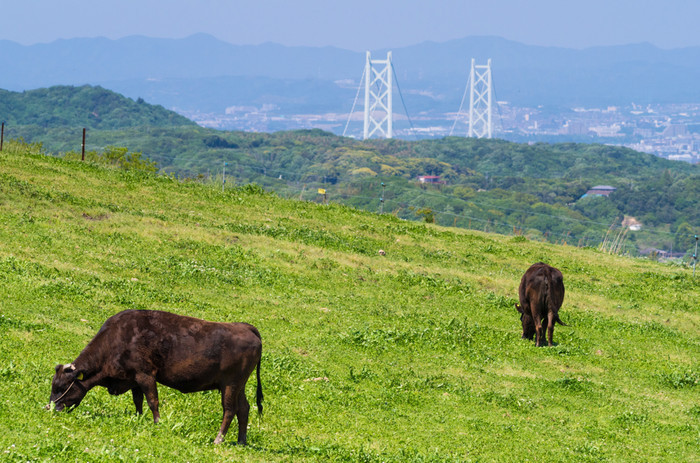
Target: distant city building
653, 252
643, 132
600, 190
435, 179
681, 157
632, 223
675, 130
607, 130
575, 128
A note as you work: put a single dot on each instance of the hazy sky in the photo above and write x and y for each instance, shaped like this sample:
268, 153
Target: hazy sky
360, 24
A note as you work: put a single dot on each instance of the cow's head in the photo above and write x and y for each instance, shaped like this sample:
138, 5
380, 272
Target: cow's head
527, 321
67, 389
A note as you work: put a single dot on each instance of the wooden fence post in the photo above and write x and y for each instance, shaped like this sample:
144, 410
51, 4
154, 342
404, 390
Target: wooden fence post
82, 157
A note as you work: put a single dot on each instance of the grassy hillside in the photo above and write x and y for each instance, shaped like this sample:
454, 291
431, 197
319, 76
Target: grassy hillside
490, 185
410, 356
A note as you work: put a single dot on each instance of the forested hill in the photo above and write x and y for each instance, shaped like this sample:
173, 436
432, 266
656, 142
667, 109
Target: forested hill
455, 159
86, 106
487, 184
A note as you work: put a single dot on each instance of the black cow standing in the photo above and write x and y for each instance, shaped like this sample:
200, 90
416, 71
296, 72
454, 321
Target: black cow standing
134, 349
541, 295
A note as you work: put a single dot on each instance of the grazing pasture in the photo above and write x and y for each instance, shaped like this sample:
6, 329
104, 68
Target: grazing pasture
414, 355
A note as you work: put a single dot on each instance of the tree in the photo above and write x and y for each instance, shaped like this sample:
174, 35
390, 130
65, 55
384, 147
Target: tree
427, 214
685, 237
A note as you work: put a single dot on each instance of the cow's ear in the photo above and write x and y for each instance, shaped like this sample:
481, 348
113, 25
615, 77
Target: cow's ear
518, 308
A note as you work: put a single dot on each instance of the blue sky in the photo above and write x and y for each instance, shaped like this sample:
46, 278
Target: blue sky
360, 24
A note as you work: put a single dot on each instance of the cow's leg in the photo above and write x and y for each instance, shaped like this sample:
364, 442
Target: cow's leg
539, 332
228, 402
137, 395
550, 328
148, 387
242, 415
528, 326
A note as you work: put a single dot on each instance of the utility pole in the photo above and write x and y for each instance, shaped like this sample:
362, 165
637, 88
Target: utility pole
695, 254
2, 135
82, 147
381, 200
223, 183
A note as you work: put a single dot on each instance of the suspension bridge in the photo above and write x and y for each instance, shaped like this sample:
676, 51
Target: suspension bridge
378, 80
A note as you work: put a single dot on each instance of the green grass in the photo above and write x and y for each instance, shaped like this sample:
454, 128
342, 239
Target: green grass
411, 356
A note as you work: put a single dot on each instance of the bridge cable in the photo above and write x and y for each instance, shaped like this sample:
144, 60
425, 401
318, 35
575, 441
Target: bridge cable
461, 105
357, 96
398, 87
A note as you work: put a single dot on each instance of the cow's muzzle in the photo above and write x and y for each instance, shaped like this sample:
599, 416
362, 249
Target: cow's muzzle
53, 406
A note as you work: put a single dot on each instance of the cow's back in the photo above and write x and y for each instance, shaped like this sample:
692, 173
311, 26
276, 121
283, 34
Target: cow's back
542, 288
182, 352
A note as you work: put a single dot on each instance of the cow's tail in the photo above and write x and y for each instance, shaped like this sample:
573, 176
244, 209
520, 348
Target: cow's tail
259, 392
558, 320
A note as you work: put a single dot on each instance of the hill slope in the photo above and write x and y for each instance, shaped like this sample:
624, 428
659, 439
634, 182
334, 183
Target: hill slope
411, 356
86, 106
489, 184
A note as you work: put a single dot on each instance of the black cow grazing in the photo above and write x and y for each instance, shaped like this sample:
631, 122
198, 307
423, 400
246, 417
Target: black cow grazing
541, 295
134, 349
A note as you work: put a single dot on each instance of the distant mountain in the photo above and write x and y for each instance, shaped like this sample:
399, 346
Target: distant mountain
97, 60
202, 73
86, 106
215, 94
532, 75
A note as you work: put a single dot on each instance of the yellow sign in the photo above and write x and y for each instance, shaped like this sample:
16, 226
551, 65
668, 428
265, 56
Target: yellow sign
321, 191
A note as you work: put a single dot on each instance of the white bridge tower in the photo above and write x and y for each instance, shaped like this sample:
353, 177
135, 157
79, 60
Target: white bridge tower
480, 107
378, 97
